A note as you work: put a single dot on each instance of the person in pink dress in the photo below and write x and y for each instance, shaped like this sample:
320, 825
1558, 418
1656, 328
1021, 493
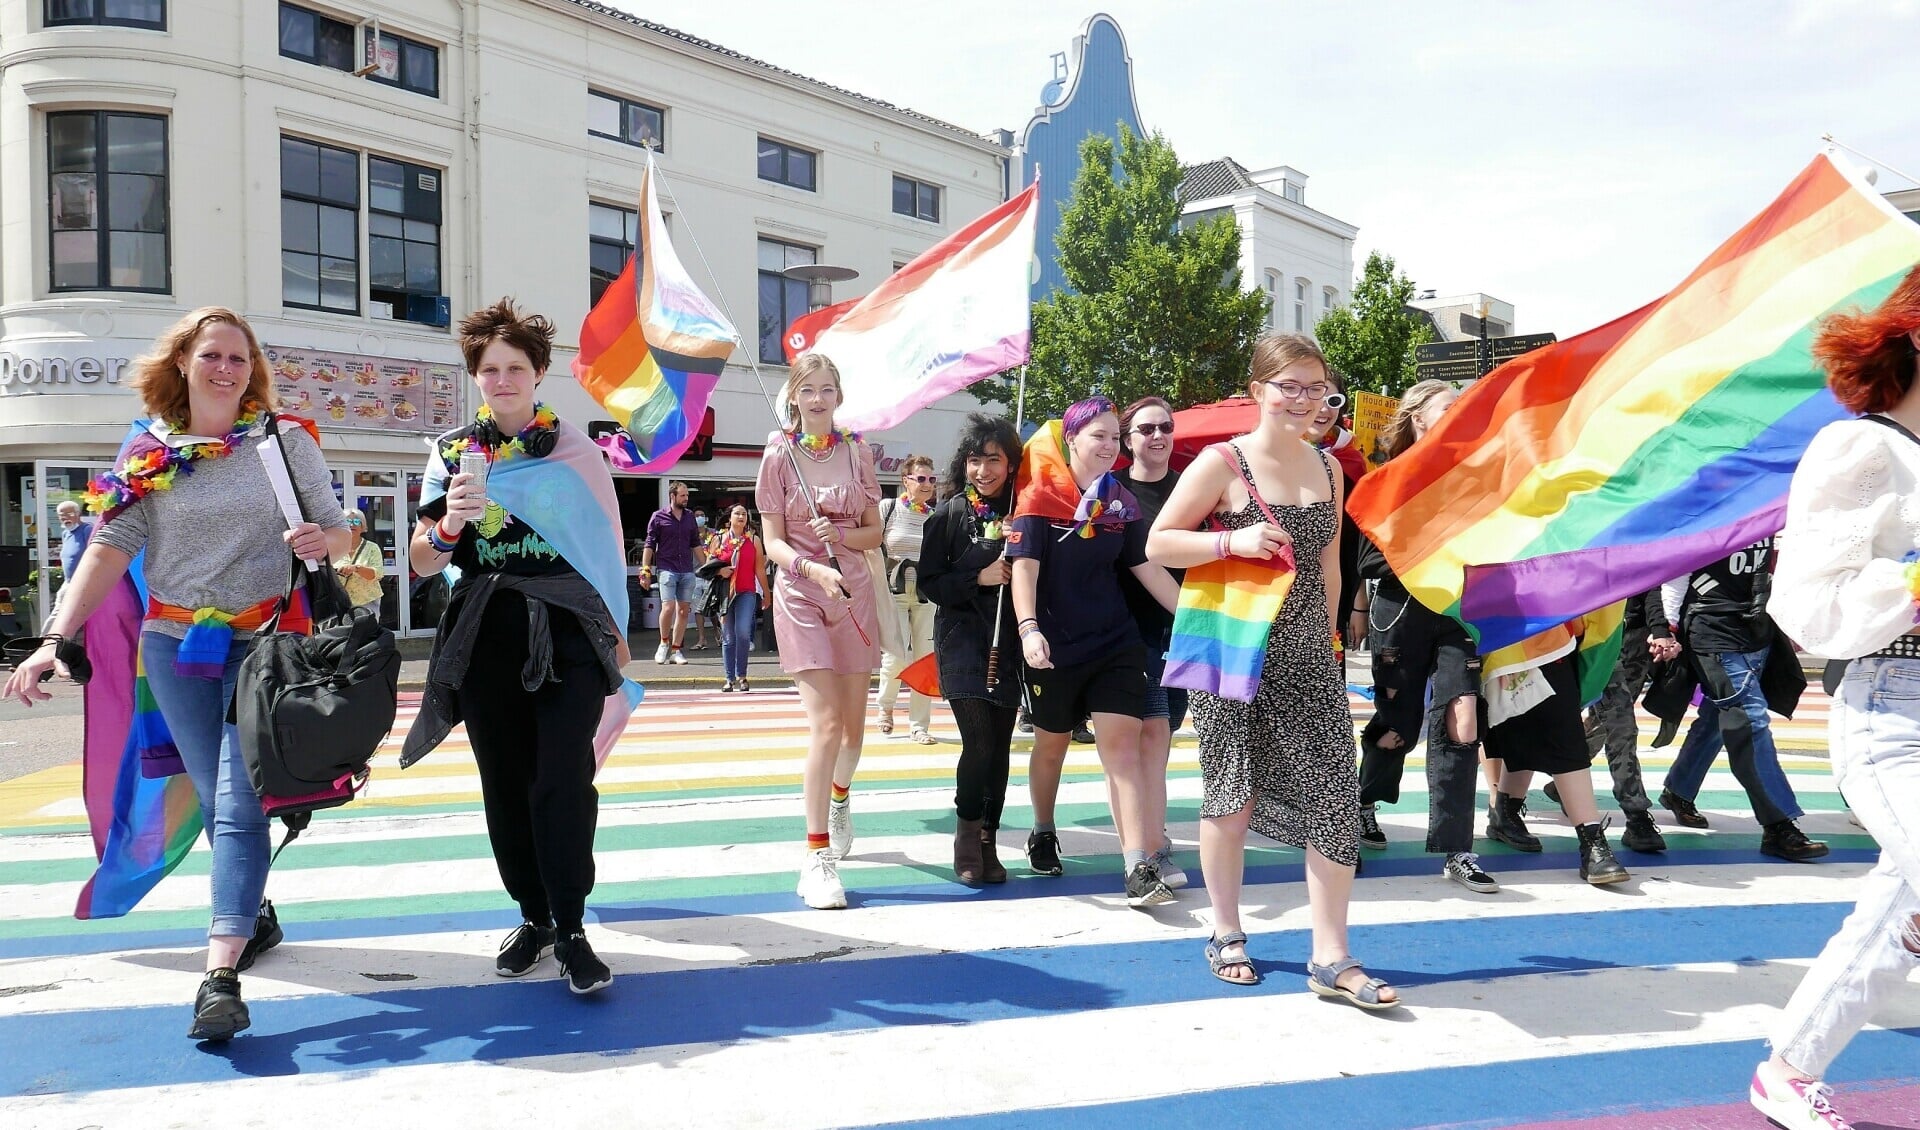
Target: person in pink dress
823, 610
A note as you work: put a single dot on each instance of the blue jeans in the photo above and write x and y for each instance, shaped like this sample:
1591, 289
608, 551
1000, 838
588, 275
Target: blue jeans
196, 714
736, 633
1734, 710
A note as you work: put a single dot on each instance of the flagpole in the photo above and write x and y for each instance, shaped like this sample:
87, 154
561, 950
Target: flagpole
1000, 598
779, 420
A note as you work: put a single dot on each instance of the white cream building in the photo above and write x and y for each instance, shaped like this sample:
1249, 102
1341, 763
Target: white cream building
159, 155
1299, 257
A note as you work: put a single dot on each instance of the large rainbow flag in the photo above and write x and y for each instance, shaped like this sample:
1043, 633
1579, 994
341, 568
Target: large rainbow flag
1596, 468
652, 349
957, 314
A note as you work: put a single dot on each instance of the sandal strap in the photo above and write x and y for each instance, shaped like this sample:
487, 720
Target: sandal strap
1235, 938
1332, 972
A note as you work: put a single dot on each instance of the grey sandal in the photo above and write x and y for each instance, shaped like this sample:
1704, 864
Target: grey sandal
1325, 980
1216, 947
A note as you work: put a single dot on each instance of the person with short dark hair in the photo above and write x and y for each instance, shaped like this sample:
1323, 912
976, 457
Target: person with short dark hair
675, 543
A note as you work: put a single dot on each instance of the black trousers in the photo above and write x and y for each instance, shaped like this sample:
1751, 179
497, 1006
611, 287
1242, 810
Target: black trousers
986, 739
535, 753
1411, 646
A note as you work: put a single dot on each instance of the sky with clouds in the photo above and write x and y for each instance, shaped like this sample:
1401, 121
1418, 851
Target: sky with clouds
1575, 160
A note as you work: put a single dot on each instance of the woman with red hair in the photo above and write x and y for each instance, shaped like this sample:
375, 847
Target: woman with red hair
1846, 586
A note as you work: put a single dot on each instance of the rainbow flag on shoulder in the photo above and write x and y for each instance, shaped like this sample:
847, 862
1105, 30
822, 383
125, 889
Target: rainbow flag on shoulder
1596, 468
652, 349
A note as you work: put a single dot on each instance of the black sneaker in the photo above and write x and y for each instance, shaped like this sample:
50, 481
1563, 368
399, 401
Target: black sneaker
1082, 736
525, 948
1043, 854
1785, 840
1552, 791
218, 1011
585, 973
1683, 810
266, 935
1144, 887
1463, 867
1642, 834
1370, 834
1025, 724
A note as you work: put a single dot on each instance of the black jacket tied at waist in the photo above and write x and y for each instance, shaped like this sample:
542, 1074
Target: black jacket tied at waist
460, 627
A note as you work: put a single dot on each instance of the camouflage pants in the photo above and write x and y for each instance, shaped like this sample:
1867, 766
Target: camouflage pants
1611, 725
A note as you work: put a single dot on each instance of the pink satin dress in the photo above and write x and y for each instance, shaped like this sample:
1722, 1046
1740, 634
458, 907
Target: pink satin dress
818, 630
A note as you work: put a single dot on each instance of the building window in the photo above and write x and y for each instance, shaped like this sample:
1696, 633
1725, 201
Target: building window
1293, 192
319, 226
612, 234
313, 38
621, 119
1300, 305
403, 240
1326, 301
781, 299
917, 199
1273, 299
107, 201
322, 40
114, 13
784, 164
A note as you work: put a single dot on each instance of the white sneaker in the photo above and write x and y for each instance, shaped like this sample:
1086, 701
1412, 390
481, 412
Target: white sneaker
1170, 872
840, 828
1798, 1104
820, 883
676, 657
660, 654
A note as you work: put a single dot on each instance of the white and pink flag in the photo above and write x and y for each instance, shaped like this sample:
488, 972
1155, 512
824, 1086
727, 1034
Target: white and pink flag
957, 314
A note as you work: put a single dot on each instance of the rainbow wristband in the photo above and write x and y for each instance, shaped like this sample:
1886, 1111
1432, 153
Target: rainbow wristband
438, 541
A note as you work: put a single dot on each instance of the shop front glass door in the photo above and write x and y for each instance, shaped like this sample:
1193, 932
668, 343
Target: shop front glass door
54, 483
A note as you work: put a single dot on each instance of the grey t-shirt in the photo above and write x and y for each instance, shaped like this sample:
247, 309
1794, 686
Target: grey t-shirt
213, 540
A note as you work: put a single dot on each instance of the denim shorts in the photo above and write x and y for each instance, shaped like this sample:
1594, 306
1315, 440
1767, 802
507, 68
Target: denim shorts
674, 588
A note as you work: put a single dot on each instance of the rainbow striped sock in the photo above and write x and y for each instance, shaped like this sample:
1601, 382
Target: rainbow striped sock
816, 842
840, 793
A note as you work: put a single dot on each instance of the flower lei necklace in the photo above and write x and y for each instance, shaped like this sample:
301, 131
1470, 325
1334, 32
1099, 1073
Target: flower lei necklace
819, 447
155, 468
989, 521
531, 438
914, 507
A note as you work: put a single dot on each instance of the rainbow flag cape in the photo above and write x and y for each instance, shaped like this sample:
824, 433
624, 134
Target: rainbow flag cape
567, 498
1046, 488
1596, 468
652, 349
957, 314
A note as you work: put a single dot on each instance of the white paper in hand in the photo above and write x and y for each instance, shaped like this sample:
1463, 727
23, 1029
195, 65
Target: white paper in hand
276, 465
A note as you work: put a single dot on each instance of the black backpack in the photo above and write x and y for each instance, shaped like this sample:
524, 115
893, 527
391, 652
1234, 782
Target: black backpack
312, 710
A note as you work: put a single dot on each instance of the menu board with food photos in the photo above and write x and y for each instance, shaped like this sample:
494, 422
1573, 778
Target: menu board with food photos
365, 392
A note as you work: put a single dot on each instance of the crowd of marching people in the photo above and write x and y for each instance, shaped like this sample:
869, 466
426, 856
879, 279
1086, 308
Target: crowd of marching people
1044, 579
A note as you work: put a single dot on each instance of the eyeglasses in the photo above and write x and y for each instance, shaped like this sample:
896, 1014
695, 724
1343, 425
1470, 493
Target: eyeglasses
1165, 429
356, 521
1293, 391
921, 478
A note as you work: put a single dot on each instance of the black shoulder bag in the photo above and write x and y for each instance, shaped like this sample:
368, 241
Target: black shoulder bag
313, 709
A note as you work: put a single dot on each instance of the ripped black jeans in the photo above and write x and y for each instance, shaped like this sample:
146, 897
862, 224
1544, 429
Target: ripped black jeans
1413, 646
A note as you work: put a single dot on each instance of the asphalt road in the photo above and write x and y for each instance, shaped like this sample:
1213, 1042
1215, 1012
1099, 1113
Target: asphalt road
41, 736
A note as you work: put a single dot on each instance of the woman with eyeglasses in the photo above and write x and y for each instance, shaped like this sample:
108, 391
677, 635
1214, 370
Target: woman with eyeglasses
362, 566
902, 520
964, 572
1282, 764
1413, 649
1146, 431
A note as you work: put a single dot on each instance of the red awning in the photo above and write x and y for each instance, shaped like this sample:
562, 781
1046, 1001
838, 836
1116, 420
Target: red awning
1203, 424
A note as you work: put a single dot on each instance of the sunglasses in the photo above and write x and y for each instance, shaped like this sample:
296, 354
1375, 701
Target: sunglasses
921, 478
1165, 429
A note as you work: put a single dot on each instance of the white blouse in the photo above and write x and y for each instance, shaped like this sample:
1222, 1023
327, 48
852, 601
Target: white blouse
1853, 513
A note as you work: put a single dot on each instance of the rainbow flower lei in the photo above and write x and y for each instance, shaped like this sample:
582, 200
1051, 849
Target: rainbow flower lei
913, 507
544, 419
1911, 574
820, 444
989, 521
155, 468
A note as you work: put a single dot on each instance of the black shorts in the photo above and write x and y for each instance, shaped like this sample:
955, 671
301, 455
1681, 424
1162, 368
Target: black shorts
1063, 697
1550, 738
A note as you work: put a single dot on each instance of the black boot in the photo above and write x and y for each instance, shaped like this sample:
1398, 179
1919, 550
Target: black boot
266, 935
1642, 833
1785, 840
218, 1011
990, 868
1597, 864
968, 865
1506, 822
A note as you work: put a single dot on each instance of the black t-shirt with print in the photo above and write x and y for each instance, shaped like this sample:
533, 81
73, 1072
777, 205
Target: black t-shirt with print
499, 543
1081, 607
1726, 607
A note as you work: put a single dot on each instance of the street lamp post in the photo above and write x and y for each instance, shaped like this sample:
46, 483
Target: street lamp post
820, 278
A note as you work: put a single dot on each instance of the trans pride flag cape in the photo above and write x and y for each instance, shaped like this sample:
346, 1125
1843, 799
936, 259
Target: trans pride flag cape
958, 313
652, 349
1046, 488
1585, 472
567, 497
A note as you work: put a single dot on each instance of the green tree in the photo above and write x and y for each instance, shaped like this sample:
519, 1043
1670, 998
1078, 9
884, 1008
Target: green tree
1156, 307
1371, 339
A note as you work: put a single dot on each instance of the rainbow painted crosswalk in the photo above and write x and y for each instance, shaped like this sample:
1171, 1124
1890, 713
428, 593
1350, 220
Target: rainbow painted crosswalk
1043, 1003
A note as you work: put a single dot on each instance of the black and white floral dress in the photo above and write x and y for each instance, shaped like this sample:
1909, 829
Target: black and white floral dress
1291, 749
